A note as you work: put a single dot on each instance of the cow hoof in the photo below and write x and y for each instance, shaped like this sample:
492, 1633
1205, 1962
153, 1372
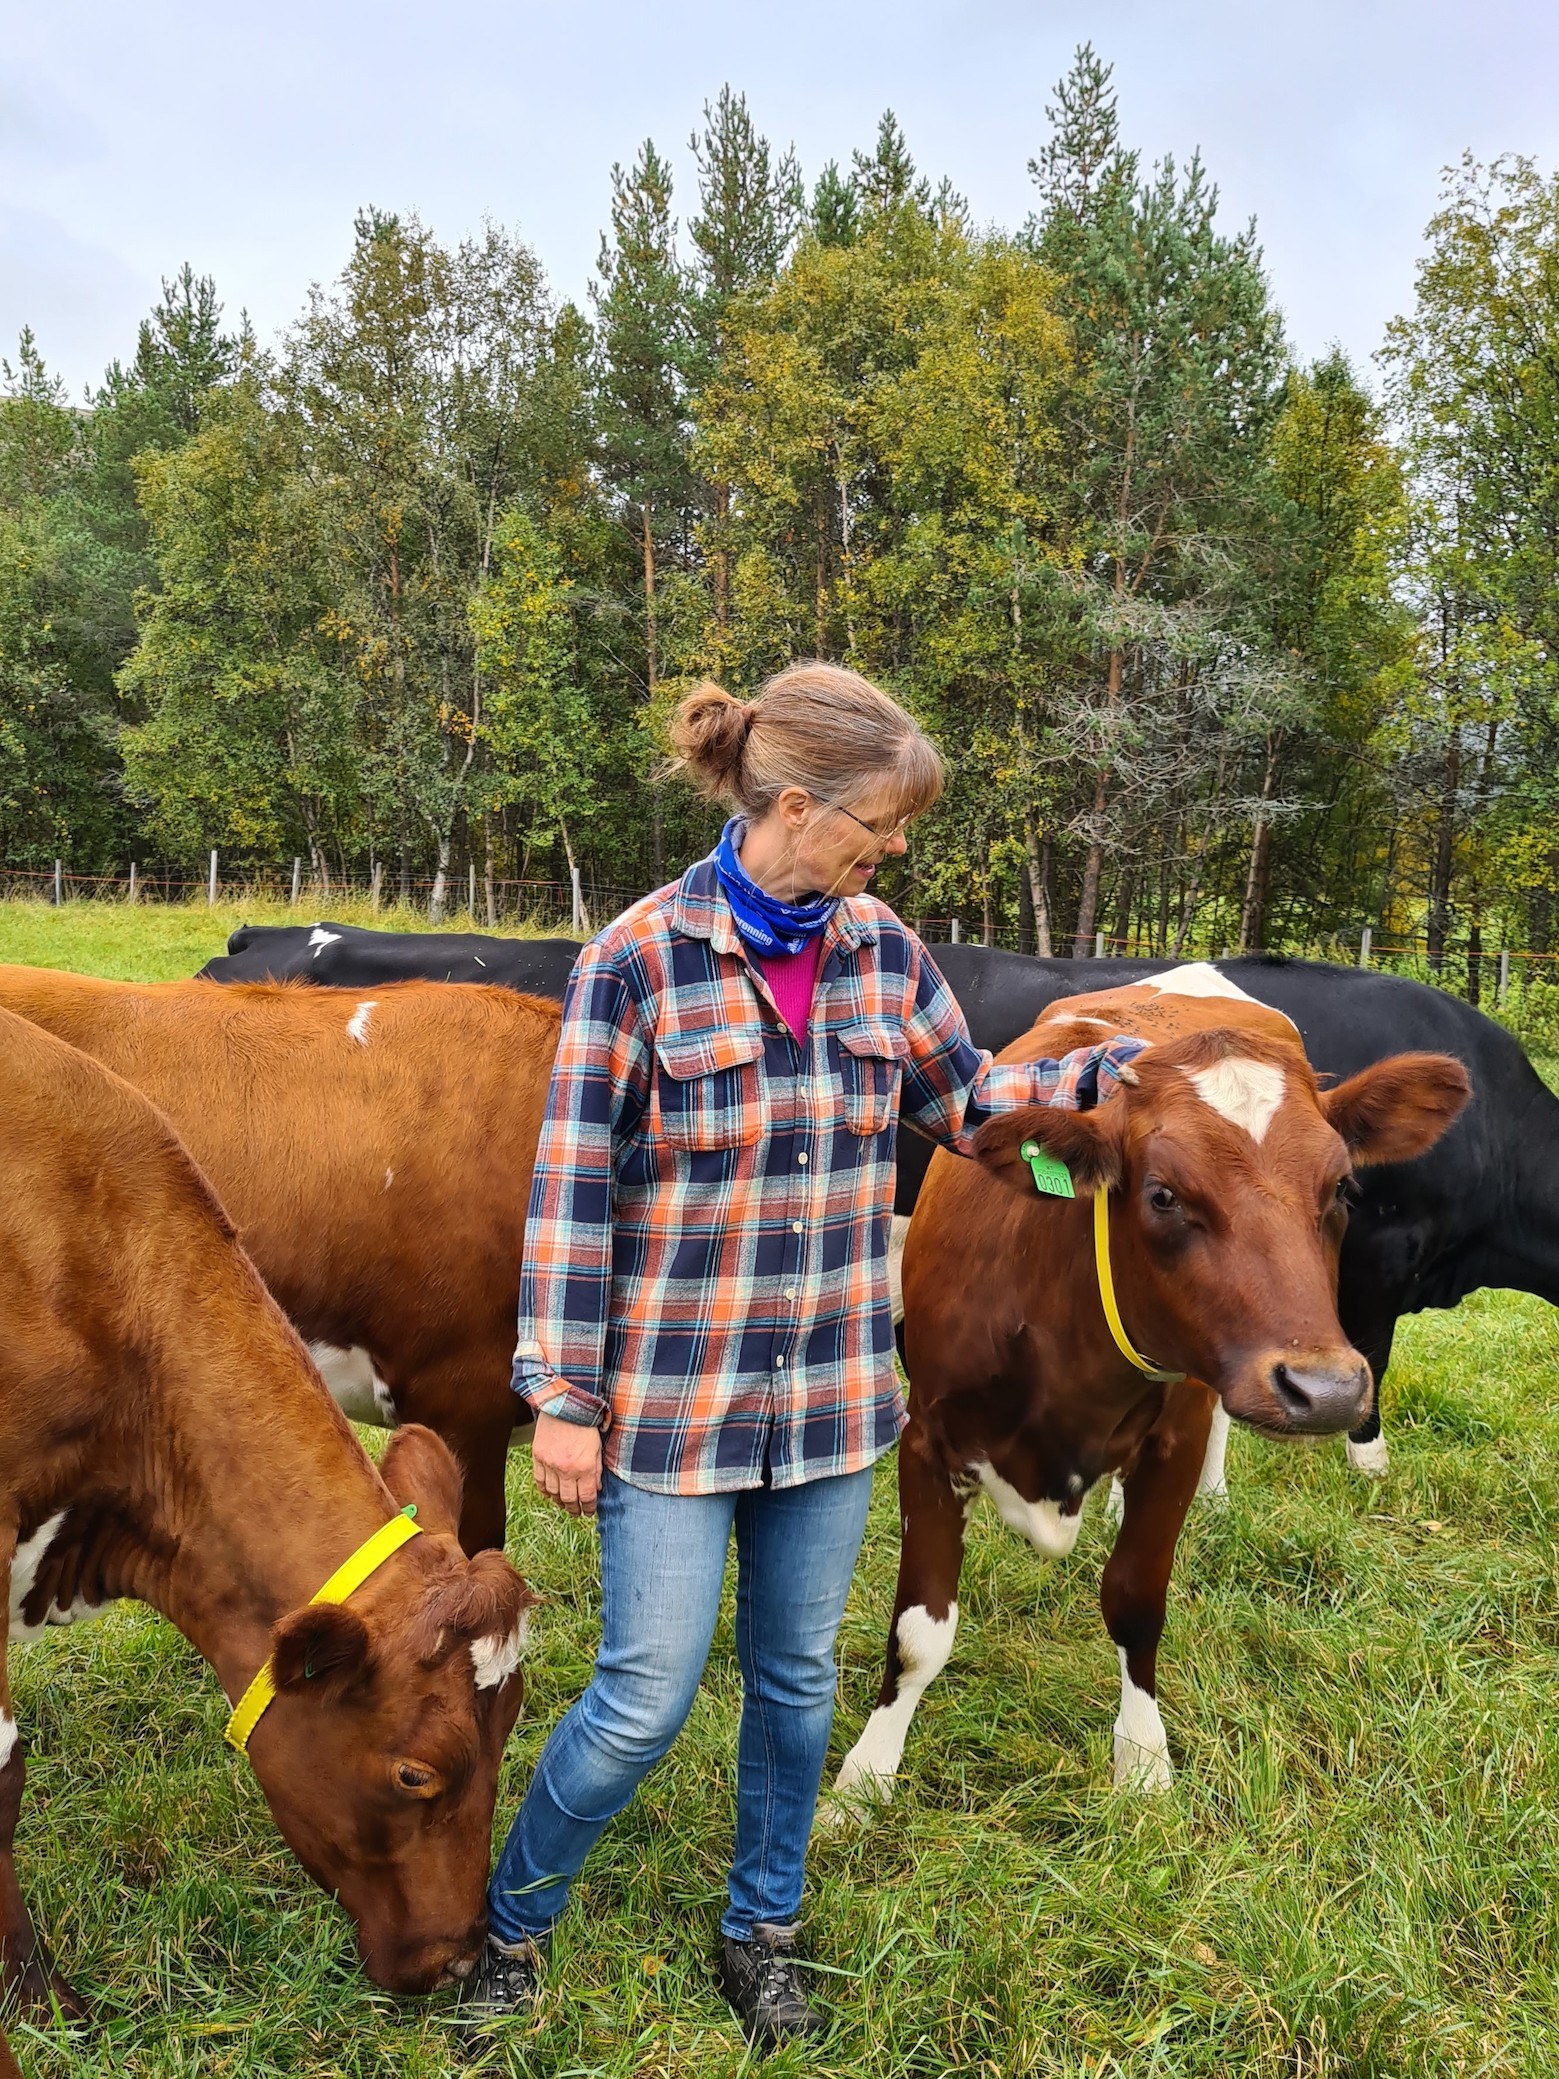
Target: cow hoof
1372, 1458
40, 1991
858, 1794
1143, 1769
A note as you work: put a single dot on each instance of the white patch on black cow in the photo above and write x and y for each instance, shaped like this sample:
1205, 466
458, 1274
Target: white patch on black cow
1213, 1482
1372, 1458
1246, 1093
898, 1235
25, 1562
355, 1386
319, 938
1141, 1744
357, 1024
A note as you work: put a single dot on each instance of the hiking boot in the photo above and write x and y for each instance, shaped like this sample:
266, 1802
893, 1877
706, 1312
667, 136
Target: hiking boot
761, 1977
503, 1981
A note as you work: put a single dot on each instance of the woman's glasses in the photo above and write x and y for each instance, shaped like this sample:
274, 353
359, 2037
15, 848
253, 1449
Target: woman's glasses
879, 837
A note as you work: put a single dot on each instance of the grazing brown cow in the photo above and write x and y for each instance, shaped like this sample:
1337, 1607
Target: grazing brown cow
1225, 1172
164, 1436
374, 1154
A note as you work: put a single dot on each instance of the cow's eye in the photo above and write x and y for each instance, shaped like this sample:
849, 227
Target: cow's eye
1347, 1192
415, 1781
1162, 1199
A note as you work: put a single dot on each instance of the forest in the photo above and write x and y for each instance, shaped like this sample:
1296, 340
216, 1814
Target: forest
1226, 649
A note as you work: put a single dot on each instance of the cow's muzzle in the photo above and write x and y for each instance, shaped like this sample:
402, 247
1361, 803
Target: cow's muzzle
1314, 1397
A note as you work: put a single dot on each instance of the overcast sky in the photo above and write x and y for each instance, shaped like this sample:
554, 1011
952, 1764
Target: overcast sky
135, 137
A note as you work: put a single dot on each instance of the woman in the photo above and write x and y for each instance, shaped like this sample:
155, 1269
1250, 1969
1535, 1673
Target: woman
705, 1337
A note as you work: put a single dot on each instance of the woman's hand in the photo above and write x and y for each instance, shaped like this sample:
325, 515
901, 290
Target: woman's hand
566, 1460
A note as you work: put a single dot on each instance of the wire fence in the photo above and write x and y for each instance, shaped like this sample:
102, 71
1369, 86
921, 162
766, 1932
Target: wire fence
581, 904
1491, 976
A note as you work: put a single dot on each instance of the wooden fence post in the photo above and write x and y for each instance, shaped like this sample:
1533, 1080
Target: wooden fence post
132, 880
59, 882
297, 880
576, 890
1098, 945
211, 881
952, 931
377, 884
1504, 971
1364, 947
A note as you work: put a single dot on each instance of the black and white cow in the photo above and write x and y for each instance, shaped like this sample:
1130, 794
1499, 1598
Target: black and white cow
347, 956
1481, 1209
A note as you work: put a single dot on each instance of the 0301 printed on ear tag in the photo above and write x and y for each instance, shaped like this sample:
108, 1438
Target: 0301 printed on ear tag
1051, 1175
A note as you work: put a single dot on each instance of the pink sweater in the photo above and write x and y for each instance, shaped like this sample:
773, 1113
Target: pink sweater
792, 980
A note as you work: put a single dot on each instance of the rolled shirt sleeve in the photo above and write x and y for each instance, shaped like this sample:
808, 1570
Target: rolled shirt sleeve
600, 1085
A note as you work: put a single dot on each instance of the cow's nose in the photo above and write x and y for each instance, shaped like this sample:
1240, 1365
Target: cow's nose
1321, 1398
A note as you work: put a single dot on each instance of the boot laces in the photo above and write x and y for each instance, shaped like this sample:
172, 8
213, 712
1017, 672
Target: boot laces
779, 1978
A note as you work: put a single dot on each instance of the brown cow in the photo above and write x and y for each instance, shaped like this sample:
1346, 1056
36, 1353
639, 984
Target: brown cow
164, 1436
1227, 1172
375, 1155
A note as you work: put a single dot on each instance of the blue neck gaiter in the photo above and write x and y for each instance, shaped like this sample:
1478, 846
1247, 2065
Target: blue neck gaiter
764, 922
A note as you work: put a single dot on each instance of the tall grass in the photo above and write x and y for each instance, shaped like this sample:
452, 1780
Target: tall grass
159, 942
1357, 1872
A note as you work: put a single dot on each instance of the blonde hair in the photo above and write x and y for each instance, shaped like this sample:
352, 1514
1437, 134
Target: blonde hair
814, 726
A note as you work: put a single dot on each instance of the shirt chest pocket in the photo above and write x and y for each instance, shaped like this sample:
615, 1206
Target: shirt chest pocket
871, 1059
710, 1088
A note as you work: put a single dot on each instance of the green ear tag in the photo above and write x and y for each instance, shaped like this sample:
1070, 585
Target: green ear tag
410, 1509
1052, 1178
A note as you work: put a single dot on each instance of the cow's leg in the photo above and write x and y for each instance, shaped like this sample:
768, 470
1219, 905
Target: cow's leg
28, 1978
925, 1617
1157, 1493
467, 1400
1367, 1451
1213, 1483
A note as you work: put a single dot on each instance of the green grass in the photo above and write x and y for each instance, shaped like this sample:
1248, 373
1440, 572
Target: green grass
160, 942
1356, 1874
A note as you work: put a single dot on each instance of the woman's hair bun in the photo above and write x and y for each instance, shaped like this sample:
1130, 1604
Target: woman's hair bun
708, 735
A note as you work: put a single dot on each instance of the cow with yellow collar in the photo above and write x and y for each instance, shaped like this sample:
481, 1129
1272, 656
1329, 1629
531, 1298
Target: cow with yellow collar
1078, 1302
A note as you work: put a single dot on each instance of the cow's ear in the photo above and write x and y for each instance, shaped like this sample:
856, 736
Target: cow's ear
1091, 1144
419, 1467
1398, 1108
321, 1650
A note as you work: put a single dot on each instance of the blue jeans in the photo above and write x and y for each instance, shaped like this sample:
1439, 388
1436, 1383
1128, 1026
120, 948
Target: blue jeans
662, 1565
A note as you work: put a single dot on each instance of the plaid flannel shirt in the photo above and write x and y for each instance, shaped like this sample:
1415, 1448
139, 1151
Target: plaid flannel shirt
705, 1269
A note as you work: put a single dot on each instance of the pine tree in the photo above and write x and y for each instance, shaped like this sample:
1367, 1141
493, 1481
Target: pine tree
644, 324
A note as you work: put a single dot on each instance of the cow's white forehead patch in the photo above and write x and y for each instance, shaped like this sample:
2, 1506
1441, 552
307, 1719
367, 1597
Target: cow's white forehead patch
1245, 1092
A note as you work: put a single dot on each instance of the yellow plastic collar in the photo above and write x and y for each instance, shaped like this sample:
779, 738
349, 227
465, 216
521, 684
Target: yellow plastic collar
1112, 1313
389, 1537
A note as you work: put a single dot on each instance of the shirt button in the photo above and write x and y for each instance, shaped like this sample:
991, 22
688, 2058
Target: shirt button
779, 1364
791, 1294
801, 1158
796, 1227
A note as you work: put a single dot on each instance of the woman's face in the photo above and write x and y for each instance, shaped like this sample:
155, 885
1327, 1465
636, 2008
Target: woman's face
837, 850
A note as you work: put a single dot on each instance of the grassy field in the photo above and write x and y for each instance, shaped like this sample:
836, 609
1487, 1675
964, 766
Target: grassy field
1356, 1874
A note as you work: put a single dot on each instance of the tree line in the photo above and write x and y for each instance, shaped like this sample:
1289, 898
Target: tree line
1223, 650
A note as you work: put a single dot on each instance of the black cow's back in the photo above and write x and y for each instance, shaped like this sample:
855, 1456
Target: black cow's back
348, 956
